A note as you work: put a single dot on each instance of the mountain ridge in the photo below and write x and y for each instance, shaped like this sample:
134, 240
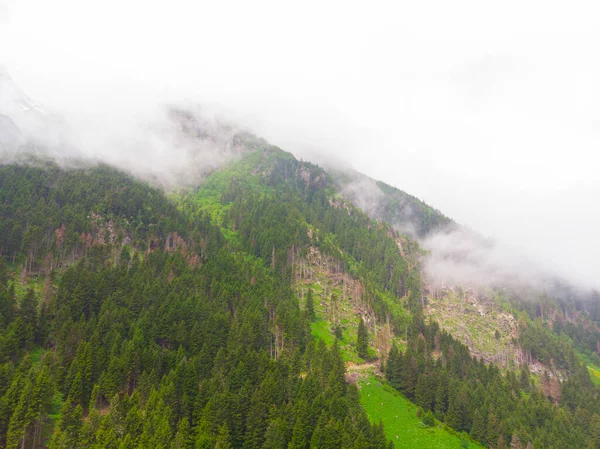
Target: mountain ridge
254, 309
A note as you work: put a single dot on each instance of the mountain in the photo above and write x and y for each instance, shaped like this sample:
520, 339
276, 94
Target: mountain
25, 122
383, 202
268, 306
14, 99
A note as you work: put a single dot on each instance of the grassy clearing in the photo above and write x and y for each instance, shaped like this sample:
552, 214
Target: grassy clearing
36, 355
397, 308
34, 282
321, 328
592, 366
398, 414
594, 374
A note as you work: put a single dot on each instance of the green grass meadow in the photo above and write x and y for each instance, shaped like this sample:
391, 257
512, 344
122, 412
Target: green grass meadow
398, 415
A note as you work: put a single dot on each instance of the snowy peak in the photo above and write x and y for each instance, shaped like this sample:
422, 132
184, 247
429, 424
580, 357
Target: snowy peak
23, 120
13, 99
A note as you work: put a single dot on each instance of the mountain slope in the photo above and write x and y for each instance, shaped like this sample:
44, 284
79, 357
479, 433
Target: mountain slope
383, 202
119, 332
223, 316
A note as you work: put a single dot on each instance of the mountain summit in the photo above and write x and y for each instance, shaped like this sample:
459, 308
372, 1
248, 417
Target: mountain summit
24, 122
13, 100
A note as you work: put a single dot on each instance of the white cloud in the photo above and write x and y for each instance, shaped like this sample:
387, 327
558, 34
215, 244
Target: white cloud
489, 112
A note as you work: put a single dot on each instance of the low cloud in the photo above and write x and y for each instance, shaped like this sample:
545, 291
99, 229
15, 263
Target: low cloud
459, 256
365, 193
172, 145
456, 255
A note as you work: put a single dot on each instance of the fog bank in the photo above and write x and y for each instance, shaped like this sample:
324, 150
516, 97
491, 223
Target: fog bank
488, 112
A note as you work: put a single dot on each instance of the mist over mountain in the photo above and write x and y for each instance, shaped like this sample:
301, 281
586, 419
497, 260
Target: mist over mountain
177, 281
169, 144
488, 113
176, 145
265, 225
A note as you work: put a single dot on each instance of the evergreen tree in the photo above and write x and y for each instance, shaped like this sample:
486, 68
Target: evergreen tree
223, 440
182, 438
362, 339
493, 431
478, 429
524, 378
275, 436
409, 375
310, 305
29, 315
453, 417
595, 431
424, 394
441, 397
301, 429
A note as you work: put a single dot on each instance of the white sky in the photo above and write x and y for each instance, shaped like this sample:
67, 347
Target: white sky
489, 111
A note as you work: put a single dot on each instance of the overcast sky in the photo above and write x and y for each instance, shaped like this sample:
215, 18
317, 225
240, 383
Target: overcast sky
489, 111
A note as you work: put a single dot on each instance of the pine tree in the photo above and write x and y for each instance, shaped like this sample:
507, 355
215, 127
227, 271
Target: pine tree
362, 339
595, 431
424, 395
7, 299
275, 436
409, 376
256, 422
224, 438
524, 378
317, 440
182, 438
28, 313
310, 305
453, 415
59, 440
20, 419
301, 430
441, 397
394, 368
493, 432
478, 429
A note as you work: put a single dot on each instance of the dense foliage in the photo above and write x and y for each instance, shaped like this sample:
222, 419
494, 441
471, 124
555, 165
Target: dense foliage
154, 347
438, 374
133, 320
47, 209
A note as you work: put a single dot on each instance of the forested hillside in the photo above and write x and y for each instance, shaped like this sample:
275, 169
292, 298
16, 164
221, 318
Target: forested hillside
383, 202
247, 313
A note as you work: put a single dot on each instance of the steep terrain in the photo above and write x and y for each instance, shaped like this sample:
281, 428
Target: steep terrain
265, 308
383, 202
